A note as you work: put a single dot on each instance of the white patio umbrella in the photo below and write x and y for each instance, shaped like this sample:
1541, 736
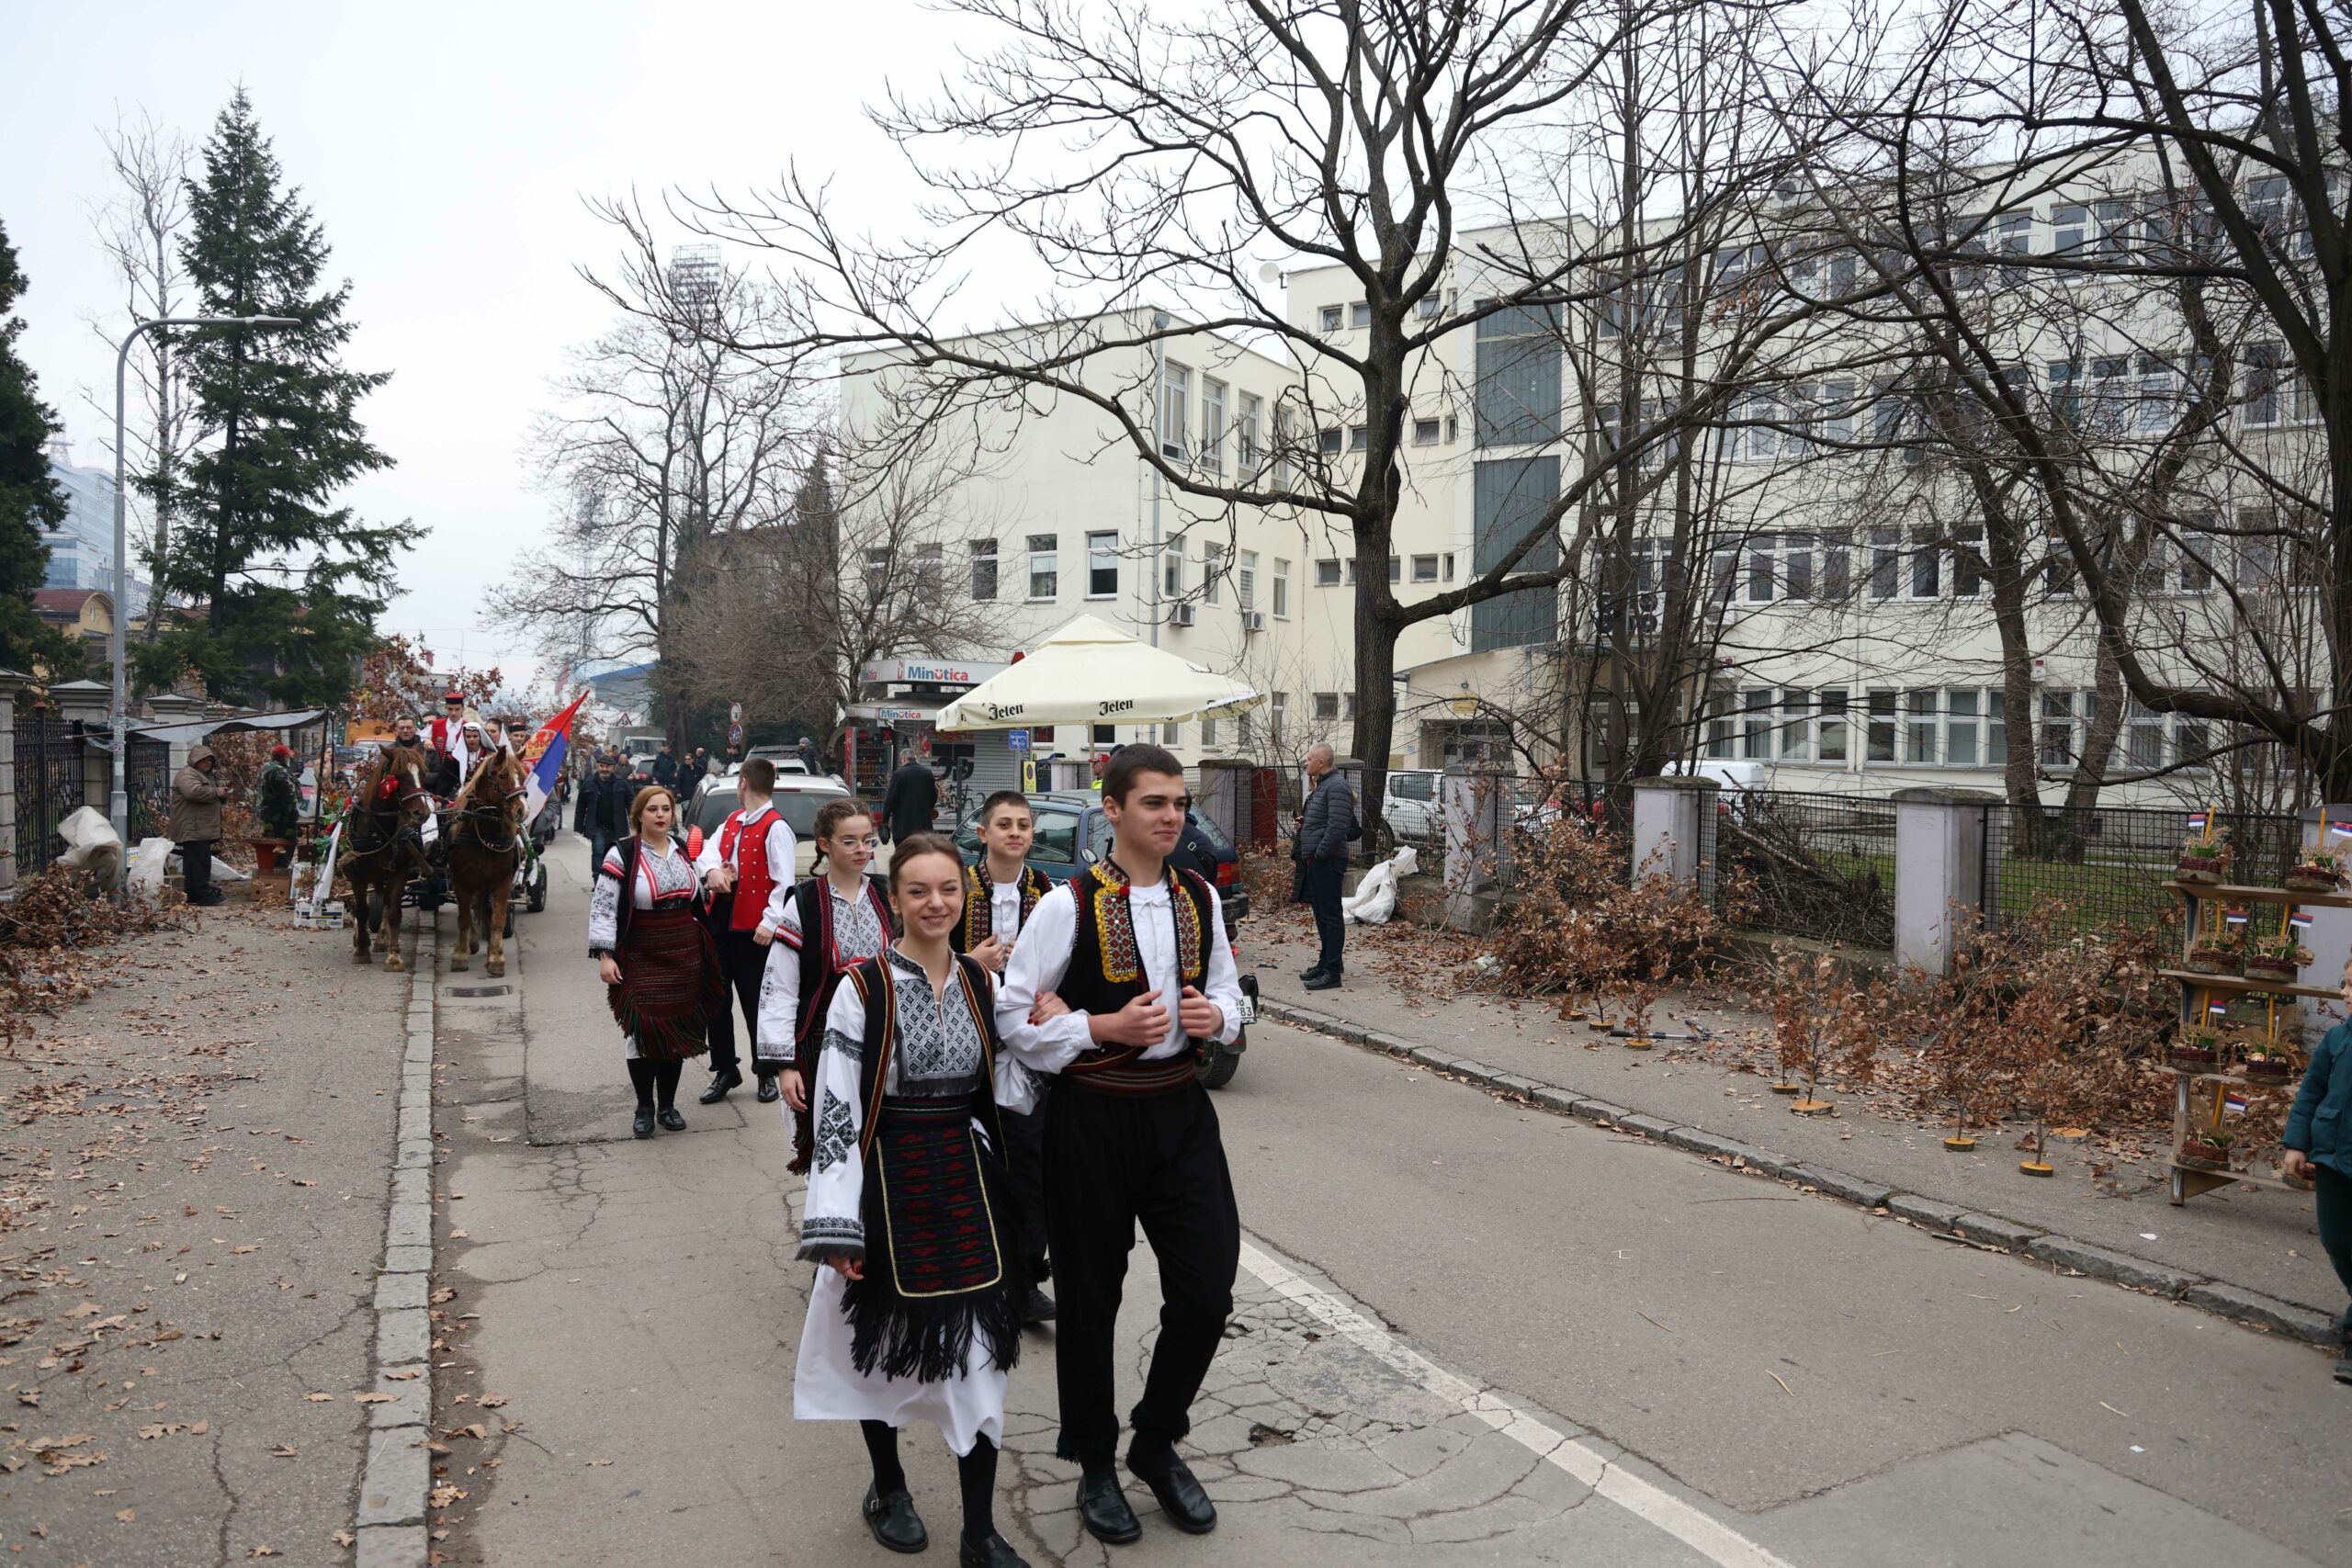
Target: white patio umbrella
1092, 673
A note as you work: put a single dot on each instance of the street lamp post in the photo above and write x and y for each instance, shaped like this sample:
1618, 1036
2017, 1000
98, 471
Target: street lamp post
117, 720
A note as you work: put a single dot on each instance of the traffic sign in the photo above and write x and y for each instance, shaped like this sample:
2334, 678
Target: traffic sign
735, 735
734, 713
1017, 739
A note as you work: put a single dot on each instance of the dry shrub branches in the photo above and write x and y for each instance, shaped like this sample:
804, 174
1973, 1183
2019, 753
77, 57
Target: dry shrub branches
1822, 1021
46, 931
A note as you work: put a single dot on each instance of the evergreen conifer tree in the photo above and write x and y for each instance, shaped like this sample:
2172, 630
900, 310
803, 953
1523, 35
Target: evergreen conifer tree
283, 582
29, 500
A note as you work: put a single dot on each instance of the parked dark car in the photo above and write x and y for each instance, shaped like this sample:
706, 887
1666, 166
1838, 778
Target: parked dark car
1072, 833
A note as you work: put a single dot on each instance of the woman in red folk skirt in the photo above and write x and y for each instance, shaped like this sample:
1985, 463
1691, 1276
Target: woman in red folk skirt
660, 969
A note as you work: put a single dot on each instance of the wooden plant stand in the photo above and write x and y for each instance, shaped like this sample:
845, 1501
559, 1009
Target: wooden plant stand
2189, 1088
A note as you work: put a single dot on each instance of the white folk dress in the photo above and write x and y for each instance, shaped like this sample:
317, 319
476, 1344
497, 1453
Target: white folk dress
664, 880
859, 933
939, 1050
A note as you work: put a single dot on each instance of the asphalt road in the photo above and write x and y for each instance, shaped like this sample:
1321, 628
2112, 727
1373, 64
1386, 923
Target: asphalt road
1466, 1333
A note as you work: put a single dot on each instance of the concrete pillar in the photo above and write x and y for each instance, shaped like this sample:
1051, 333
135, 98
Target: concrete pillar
2330, 933
1475, 813
1671, 816
12, 681
1939, 870
1351, 770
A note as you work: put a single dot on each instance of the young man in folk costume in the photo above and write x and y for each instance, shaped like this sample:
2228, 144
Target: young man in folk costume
1137, 953
742, 865
820, 928
1000, 892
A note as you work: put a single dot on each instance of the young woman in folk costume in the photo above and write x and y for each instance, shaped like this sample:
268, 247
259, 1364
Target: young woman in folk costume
916, 1314
661, 972
822, 925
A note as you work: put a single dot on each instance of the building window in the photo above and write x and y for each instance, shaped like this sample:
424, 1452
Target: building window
1447, 575
1107, 735
1920, 727
1282, 589
1045, 577
1960, 729
1171, 734
2143, 738
1796, 566
1881, 733
1277, 713
1208, 733
1245, 433
1326, 707
1359, 438
1360, 314
1172, 571
1395, 570
1425, 569
1837, 565
1719, 725
2057, 729
1326, 572
983, 570
2068, 221
1429, 306
1329, 442
1425, 432
1885, 552
1334, 318
1213, 424
1102, 566
1517, 388
1759, 571
1756, 723
1797, 726
1212, 569
1175, 409
1926, 565
1245, 582
1833, 723
1968, 560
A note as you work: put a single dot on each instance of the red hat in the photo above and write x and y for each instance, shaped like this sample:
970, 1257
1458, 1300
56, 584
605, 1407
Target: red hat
281, 754
458, 697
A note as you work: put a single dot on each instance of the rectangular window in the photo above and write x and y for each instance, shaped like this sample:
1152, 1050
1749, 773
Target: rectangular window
1175, 409
983, 570
1171, 734
1429, 306
1102, 566
1920, 727
1447, 573
2143, 738
2196, 558
1968, 560
1172, 571
1425, 569
1517, 389
877, 571
1360, 314
2108, 394
2016, 239
1756, 723
2114, 239
1106, 733
1842, 268
1212, 569
2191, 749
1334, 318
1886, 551
1326, 572
1837, 565
1045, 578
1425, 432
1277, 715
1245, 433
1330, 442
1719, 725
1245, 582
1796, 566
1881, 737
2057, 729
1996, 731
1837, 412
1208, 733
1759, 571
1326, 707
1926, 565
1797, 726
2264, 401
1833, 723
1509, 501
1724, 575
1359, 438
1395, 570
1282, 589
2154, 409
2065, 392
2068, 223
1960, 729
1213, 424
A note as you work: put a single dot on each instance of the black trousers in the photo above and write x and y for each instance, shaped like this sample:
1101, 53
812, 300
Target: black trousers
1024, 1167
1323, 881
2335, 1206
196, 872
743, 962
1111, 1163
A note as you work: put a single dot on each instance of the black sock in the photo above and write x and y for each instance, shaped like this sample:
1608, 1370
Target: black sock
640, 1078
976, 1473
1145, 1451
882, 1448
665, 1080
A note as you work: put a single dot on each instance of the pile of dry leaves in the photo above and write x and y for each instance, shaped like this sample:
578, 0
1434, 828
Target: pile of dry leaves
49, 934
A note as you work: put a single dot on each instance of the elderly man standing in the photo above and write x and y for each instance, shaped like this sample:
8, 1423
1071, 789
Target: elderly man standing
196, 824
1324, 826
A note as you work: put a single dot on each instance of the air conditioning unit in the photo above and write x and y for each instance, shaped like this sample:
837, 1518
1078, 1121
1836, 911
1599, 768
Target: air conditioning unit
1181, 614
1253, 620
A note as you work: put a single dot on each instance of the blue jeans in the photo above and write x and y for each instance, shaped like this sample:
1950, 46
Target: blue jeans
599, 842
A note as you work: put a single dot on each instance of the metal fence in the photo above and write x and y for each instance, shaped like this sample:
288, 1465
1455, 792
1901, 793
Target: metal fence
147, 775
1814, 866
2108, 864
49, 788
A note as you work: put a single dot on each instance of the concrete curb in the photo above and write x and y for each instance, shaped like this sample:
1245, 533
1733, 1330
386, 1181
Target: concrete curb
2218, 1297
398, 1472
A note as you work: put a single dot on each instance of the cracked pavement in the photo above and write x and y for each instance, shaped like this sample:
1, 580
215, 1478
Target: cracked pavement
1465, 1333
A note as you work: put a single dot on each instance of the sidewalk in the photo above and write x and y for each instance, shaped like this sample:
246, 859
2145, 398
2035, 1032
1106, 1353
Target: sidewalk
2239, 1239
193, 1167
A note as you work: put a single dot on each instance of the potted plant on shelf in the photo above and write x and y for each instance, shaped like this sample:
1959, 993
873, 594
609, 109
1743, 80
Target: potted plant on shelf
2198, 1049
2205, 858
2208, 1149
2319, 871
2275, 958
2270, 1062
2217, 952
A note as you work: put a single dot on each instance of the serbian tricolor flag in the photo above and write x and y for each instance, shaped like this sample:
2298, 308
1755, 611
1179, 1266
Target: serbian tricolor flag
2300, 920
2197, 821
544, 752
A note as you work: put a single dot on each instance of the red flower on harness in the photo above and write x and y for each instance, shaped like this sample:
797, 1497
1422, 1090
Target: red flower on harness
390, 787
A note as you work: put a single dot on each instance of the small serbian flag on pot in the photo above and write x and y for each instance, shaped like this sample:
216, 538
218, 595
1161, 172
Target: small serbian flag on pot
2197, 821
2300, 920
2339, 829
2236, 917
2233, 1103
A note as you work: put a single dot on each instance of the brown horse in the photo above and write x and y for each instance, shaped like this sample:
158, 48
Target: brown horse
485, 842
381, 848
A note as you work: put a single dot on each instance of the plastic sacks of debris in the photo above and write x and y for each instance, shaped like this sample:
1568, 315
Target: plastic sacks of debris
90, 844
1374, 899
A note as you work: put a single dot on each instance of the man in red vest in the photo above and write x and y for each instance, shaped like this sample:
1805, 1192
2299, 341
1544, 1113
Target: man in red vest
741, 864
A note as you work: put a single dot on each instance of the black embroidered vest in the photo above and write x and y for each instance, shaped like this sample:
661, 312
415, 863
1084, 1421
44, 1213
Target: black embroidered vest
1106, 968
980, 904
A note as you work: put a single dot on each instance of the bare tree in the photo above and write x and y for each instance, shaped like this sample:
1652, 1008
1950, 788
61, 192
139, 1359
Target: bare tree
141, 228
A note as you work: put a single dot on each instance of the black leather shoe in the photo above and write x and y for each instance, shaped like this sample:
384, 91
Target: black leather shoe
1039, 1308
1323, 980
643, 1126
719, 1084
1310, 973
2343, 1368
994, 1552
894, 1521
1103, 1508
769, 1093
672, 1120
1181, 1497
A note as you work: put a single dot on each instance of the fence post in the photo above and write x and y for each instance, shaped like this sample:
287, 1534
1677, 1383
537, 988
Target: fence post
1938, 863
1474, 806
12, 681
2329, 935
1671, 817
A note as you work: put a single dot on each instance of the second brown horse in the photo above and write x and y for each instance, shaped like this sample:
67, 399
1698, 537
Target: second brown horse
485, 843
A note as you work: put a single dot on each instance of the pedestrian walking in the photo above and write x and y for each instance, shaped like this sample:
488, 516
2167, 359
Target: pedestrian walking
1136, 950
691, 772
195, 824
910, 800
822, 927
2319, 1150
923, 1325
807, 750
660, 969
277, 803
1000, 892
742, 866
665, 768
1326, 824
602, 814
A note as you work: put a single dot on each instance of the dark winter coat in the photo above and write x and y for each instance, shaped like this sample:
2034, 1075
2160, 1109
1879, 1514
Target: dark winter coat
2319, 1123
1323, 824
911, 801
196, 802
602, 806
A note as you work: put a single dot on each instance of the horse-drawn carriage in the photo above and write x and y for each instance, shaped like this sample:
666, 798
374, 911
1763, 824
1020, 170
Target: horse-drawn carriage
486, 855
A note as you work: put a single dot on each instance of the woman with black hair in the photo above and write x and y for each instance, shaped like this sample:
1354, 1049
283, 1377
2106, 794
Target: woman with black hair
660, 969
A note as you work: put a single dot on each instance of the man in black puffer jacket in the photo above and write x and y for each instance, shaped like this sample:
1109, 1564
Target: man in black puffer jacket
603, 812
1325, 825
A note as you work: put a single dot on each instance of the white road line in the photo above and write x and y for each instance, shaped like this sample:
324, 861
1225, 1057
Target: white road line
1653, 1505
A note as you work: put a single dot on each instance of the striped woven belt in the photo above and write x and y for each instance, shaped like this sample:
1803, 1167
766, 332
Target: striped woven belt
1133, 1076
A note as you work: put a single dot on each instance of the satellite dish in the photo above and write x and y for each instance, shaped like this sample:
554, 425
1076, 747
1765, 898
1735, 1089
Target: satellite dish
1269, 273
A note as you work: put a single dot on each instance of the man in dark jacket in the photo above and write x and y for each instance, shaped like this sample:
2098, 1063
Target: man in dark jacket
603, 812
665, 769
911, 800
1325, 825
279, 803
2319, 1150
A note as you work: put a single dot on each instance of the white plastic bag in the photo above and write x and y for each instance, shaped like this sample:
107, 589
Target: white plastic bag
90, 844
1374, 899
148, 863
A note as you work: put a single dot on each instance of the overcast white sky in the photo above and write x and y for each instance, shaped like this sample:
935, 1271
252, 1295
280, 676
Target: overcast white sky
446, 150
